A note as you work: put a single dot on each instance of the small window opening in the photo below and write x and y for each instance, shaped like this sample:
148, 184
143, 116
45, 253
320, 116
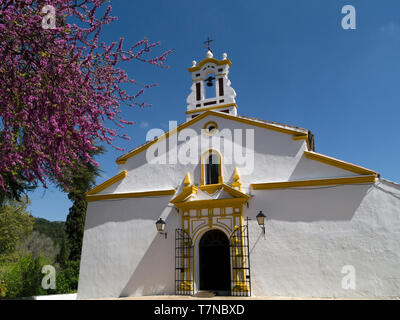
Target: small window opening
213, 168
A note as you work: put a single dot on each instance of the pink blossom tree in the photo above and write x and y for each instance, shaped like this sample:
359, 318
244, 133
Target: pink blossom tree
59, 84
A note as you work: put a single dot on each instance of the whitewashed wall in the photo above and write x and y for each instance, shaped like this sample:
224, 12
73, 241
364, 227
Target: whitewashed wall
311, 233
122, 252
277, 158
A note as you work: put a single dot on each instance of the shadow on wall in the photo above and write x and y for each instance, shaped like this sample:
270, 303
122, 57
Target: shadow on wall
311, 169
155, 272
329, 203
121, 210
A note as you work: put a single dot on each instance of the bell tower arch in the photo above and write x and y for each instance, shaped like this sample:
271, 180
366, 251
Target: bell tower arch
211, 88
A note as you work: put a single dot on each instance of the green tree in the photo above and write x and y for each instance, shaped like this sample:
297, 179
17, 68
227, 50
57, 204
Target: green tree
38, 244
23, 278
15, 224
63, 255
82, 181
17, 184
67, 278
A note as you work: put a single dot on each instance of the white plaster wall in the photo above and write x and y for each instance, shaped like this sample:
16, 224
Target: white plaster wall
277, 157
122, 252
312, 233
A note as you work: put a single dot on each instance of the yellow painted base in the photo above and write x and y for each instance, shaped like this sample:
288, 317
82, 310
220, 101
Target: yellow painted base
185, 286
241, 287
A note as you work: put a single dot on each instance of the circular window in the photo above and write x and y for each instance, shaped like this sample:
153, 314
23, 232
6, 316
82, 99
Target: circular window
210, 128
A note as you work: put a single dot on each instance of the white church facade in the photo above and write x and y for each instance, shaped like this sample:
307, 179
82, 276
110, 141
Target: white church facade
244, 207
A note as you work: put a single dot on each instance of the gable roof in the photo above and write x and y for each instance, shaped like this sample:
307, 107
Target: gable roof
295, 131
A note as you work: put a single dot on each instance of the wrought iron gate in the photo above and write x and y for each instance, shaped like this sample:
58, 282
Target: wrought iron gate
184, 284
240, 262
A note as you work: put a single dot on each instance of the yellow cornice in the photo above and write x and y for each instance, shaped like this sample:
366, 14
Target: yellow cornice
122, 159
338, 163
222, 106
313, 182
213, 203
141, 194
107, 183
180, 199
210, 60
301, 137
210, 188
235, 193
187, 191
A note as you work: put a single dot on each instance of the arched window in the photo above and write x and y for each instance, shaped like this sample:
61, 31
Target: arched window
212, 173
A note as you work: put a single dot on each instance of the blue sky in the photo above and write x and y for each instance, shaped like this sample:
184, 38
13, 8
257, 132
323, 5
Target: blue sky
291, 63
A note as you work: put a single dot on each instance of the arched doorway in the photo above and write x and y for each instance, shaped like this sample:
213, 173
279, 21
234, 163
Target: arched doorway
214, 262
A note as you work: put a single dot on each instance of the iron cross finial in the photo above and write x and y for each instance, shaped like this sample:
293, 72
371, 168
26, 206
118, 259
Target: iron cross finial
207, 43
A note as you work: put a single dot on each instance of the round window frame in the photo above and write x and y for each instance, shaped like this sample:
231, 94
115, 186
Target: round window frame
209, 124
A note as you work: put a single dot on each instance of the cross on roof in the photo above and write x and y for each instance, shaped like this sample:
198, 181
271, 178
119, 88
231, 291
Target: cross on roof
208, 43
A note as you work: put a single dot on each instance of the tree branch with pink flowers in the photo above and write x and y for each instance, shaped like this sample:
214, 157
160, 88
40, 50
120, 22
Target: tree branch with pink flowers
59, 86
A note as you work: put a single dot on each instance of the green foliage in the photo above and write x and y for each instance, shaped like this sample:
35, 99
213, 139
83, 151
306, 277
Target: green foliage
63, 254
37, 245
67, 278
15, 224
53, 229
82, 181
27, 243
17, 187
23, 278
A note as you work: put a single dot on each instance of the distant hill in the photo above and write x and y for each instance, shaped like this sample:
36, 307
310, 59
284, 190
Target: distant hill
53, 229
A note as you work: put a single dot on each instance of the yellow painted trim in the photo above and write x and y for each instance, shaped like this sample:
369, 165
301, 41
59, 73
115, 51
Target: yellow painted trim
210, 60
143, 194
213, 203
210, 188
122, 159
302, 137
207, 132
235, 193
236, 180
338, 163
187, 181
223, 106
202, 165
187, 191
107, 183
256, 123
313, 183
236, 175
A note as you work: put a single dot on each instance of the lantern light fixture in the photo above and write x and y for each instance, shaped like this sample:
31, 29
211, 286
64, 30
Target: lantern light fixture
261, 220
160, 225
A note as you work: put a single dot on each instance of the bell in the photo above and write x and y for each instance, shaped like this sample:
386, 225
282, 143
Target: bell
210, 81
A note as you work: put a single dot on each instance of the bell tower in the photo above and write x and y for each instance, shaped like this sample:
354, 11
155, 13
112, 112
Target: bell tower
211, 88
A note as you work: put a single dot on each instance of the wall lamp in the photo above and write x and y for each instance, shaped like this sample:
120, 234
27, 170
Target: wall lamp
160, 225
261, 220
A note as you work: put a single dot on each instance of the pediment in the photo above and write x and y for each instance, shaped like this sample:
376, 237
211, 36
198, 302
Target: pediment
221, 194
